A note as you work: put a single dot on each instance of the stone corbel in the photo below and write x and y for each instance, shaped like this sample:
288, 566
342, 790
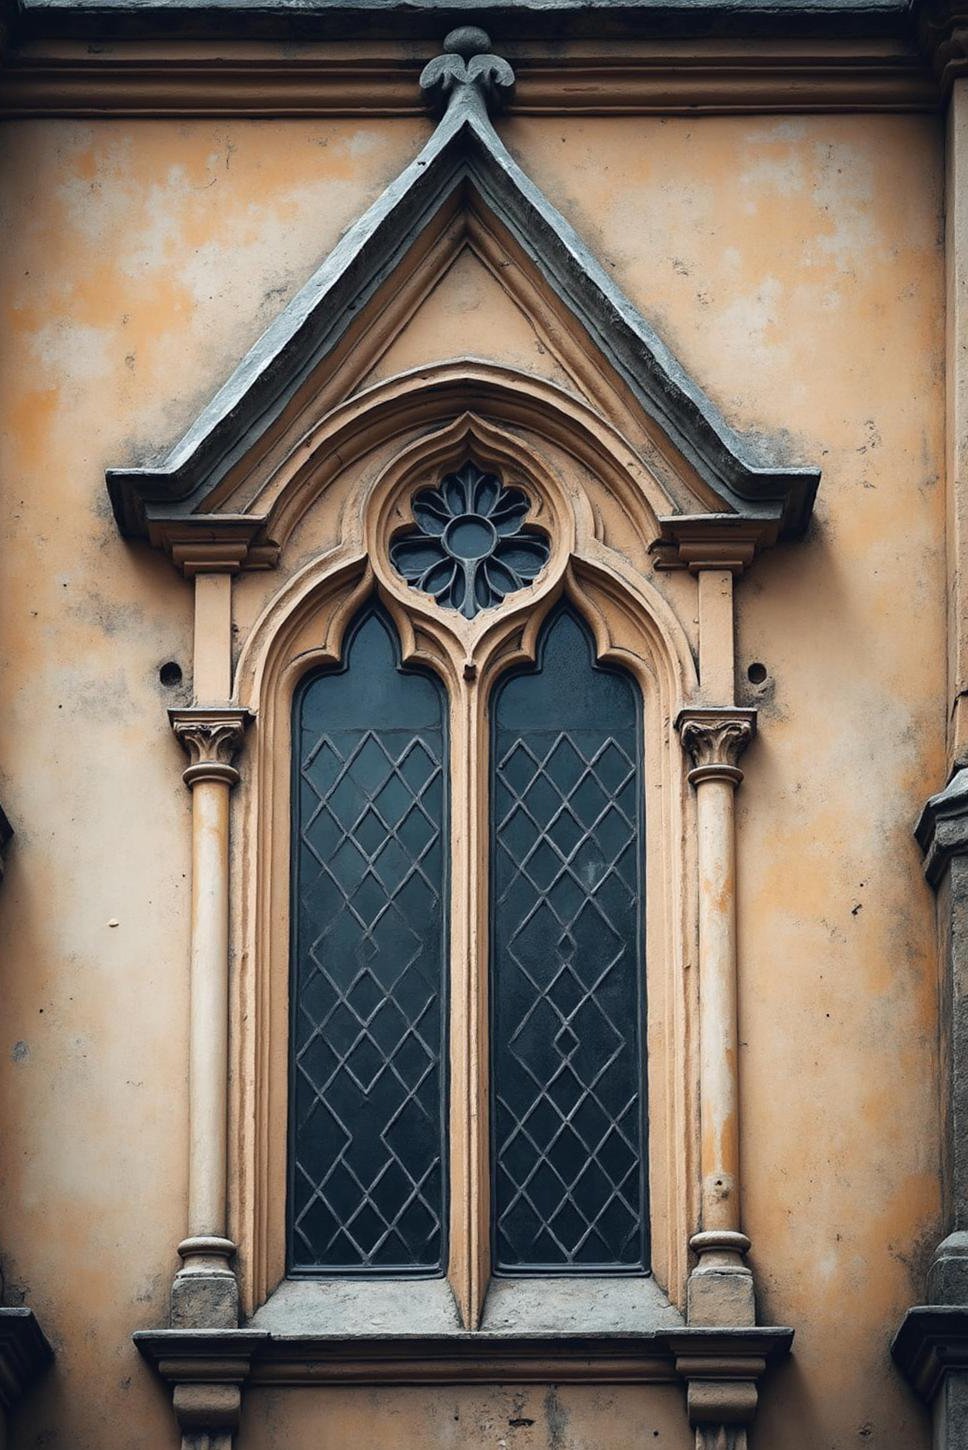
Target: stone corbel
205, 1291
206, 1373
711, 541
722, 1372
720, 1288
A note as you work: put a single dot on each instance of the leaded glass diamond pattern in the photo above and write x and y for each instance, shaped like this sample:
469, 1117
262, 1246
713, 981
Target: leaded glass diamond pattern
567, 969
366, 1170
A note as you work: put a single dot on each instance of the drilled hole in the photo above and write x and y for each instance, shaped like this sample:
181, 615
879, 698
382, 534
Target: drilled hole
756, 673
170, 674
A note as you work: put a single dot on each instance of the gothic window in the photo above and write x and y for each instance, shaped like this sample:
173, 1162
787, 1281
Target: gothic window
366, 1186
567, 975
563, 831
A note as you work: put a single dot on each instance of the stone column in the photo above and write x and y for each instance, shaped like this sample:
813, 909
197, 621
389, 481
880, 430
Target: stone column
720, 1288
205, 1291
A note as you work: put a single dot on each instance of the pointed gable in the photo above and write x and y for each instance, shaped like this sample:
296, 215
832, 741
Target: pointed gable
463, 178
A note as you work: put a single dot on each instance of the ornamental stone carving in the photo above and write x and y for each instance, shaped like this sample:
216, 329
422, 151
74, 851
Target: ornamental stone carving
211, 738
470, 547
714, 741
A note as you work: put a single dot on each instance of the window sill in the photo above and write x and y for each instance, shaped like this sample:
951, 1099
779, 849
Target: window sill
408, 1307
407, 1332
651, 1356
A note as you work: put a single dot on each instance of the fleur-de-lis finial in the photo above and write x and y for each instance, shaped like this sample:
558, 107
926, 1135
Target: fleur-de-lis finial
467, 68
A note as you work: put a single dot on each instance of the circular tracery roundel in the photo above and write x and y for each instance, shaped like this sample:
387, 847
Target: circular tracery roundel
470, 546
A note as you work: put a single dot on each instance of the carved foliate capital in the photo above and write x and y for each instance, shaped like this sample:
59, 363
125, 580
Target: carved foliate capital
466, 68
714, 741
212, 737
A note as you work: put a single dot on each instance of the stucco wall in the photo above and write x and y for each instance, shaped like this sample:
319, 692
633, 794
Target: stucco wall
795, 265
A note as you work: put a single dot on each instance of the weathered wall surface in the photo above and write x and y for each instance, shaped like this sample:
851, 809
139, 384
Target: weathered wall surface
796, 267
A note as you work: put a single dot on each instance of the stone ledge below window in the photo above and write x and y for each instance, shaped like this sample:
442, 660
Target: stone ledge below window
262, 1357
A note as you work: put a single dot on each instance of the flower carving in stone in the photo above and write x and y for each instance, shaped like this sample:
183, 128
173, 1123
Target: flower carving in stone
470, 547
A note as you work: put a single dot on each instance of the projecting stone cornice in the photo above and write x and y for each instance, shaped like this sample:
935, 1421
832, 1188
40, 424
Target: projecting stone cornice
463, 167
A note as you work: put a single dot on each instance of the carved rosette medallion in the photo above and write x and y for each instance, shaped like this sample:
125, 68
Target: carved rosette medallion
714, 741
212, 739
470, 546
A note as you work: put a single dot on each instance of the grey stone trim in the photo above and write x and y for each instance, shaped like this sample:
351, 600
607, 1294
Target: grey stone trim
426, 19
942, 833
24, 1353
942, 828
463, 150
931, 1343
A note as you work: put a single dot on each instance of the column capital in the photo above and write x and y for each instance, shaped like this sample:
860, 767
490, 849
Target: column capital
211, 735
714, 740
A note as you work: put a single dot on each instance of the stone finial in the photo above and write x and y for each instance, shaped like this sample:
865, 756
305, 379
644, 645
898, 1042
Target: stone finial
467, 66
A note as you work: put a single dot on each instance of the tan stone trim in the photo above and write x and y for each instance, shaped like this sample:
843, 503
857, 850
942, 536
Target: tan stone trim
609, 78
212, 649
720, 1288
301, 628
205, 1290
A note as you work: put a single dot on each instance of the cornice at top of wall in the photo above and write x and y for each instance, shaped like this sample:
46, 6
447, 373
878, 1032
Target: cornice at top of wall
422, 19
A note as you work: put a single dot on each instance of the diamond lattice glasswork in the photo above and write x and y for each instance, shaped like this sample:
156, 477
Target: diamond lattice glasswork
567, 971
470, 547
366, 1162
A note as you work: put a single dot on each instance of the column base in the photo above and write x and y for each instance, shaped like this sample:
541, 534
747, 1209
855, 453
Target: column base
948, 1274
205, 1291
719, 1291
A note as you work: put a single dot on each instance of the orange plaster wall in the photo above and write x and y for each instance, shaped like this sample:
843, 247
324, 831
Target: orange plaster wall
795, 265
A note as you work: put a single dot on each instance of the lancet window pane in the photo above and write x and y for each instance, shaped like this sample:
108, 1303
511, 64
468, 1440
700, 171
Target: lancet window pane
567, 965
366, 1179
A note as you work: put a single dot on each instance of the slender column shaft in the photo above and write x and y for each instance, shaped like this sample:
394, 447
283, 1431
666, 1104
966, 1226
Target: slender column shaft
719, 1152
208, 1062
720, 1287
205, 1291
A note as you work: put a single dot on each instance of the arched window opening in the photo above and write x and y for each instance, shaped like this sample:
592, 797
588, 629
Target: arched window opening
367, 1180
568, 1119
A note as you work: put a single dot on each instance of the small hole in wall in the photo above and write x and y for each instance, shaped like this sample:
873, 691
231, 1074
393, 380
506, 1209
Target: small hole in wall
170, 674
756, 674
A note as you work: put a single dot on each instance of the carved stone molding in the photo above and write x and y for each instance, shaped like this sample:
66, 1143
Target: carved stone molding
212, 738
716, 1364
943, 32
643, 76
715, 740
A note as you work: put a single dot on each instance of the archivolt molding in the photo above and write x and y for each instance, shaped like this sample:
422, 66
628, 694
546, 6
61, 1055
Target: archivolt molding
439, 397
301, 628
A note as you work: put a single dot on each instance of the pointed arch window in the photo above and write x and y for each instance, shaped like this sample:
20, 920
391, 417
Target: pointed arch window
563, 831
367, 1187
567, 975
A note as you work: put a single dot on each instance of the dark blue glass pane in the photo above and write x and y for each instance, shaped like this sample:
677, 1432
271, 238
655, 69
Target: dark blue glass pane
366, 1173
567, 965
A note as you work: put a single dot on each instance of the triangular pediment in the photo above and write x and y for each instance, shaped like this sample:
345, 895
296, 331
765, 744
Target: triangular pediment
470, 302
462, 204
